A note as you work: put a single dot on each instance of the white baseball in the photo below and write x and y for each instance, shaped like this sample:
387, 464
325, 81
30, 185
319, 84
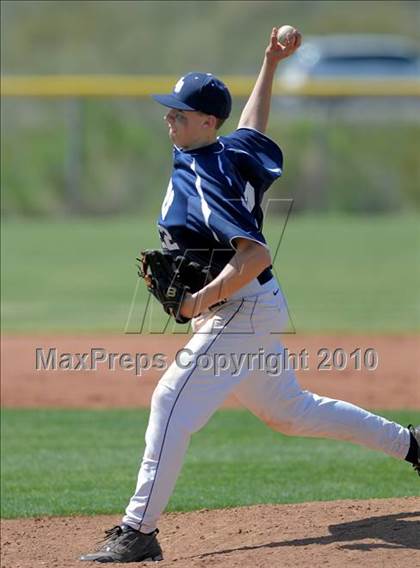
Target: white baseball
284, 33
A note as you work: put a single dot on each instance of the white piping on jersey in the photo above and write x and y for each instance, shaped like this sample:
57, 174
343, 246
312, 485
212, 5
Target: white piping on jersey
192, 151
222, 148
238, 151
167, 202
219, 161
274, 170
204, 205
252, 128
265, 245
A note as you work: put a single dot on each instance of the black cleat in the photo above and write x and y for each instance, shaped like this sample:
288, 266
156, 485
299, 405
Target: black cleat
415, 433
125, 544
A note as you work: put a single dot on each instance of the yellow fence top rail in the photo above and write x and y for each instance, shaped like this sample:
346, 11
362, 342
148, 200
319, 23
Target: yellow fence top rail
145, 85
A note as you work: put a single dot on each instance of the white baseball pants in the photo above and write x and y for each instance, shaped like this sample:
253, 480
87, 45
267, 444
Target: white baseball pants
193, 388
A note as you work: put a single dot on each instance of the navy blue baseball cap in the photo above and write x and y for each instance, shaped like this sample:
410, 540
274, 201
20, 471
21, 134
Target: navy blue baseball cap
201, 92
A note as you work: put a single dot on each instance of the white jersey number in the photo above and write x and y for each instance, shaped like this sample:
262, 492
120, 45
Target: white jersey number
167, 241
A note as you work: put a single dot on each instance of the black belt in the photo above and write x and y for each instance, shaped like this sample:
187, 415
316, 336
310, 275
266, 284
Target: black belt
265, 276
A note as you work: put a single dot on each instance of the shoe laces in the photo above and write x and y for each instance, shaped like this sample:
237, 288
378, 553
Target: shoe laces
111, 534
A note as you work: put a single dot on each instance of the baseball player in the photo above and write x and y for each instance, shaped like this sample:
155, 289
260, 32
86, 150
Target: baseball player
212, 208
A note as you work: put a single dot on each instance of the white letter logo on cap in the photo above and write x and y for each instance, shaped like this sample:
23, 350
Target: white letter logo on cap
179, 85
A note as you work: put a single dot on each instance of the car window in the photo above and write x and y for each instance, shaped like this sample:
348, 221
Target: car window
361, 65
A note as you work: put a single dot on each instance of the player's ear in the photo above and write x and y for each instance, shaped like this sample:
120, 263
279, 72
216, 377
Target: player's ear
210, 121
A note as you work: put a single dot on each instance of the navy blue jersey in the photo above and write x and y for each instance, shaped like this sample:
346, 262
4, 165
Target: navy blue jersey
215, 194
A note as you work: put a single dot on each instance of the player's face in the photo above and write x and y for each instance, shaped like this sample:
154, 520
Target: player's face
189, 129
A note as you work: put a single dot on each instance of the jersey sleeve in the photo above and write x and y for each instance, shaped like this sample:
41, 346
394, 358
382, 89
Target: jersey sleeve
258, 157
224, 221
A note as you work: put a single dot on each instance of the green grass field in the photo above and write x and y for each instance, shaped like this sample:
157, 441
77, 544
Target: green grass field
63, 462
338, 273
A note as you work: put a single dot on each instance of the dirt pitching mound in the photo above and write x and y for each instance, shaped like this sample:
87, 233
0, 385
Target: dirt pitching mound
382, 532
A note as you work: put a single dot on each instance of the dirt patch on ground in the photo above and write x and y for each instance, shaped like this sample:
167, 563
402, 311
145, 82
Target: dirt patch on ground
375, 533
394, 384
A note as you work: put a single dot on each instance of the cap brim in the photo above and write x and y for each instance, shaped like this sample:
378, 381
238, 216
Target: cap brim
171, 101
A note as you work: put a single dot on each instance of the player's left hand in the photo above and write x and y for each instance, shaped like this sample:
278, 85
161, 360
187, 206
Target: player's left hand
276, 51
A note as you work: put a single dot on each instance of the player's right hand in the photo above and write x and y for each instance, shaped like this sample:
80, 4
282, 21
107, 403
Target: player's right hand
275, 51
